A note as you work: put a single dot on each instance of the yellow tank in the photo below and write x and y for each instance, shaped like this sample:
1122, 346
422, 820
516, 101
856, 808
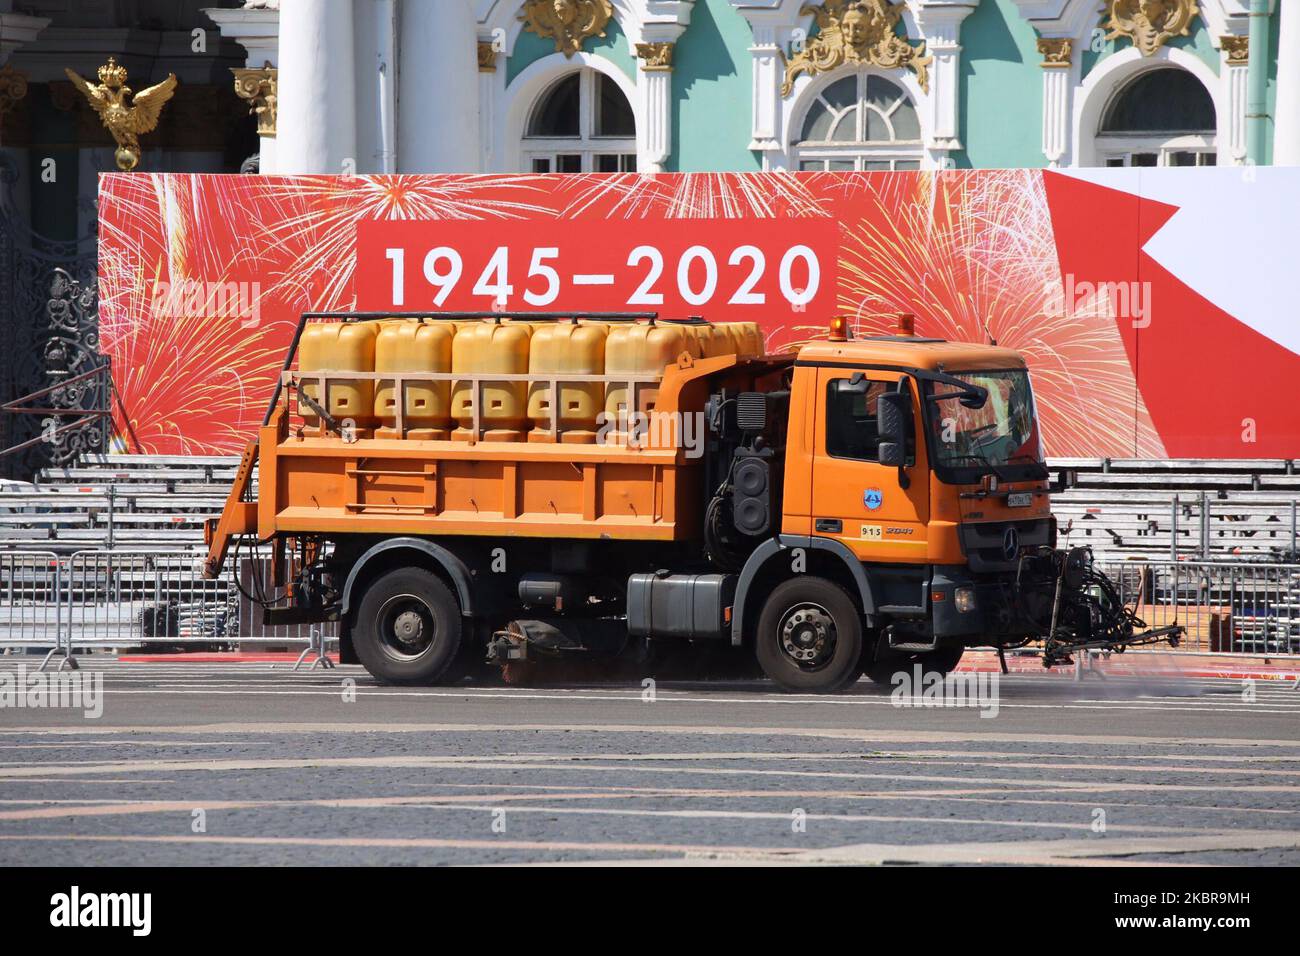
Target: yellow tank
339, 347
714, 340
566, 348
642, 350
486, 347
746, 339
413, 345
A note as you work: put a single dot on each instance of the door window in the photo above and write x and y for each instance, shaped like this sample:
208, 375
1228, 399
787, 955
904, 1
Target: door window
852, 430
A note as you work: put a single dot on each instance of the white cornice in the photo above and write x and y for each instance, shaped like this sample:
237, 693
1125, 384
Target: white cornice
256, 29
17, 29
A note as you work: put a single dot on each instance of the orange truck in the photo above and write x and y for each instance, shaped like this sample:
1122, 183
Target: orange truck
520, 488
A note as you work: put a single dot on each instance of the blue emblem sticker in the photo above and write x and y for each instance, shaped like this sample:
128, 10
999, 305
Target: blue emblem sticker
873, 498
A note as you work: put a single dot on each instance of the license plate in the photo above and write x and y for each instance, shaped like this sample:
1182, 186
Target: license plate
1020, 499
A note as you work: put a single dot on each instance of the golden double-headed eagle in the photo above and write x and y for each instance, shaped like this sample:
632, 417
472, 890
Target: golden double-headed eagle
127, 121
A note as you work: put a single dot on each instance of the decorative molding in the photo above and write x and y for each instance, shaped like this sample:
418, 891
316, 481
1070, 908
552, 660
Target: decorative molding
1236, 49
1057, 52
258, 88
567, 22
853, 32
487, 56
1150, 23
13, 87
655, 57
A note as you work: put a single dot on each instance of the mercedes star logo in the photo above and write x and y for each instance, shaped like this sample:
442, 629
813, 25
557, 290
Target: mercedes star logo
1010, 543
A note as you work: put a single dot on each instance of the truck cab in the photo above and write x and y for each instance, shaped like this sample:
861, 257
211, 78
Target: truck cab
920, 461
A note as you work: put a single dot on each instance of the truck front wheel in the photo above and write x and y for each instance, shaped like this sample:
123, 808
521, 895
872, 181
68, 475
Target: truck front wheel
408, 627
810, 636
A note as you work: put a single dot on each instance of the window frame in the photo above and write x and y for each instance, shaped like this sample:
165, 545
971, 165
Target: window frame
903, 384
898, 153
587, 145
1123, 146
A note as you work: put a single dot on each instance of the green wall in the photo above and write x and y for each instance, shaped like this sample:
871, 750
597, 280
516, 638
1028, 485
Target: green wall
712, 91
1001, 90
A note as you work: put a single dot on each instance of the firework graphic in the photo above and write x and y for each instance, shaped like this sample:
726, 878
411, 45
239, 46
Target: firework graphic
314, 219
972, 255
974, 259
693, 196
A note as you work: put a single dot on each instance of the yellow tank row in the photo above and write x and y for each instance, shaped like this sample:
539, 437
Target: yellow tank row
510, 410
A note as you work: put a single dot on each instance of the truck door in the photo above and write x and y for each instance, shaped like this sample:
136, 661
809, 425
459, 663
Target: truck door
855, 499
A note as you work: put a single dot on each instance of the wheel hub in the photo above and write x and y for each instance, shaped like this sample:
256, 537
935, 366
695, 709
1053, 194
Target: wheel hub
408, 627
808, 635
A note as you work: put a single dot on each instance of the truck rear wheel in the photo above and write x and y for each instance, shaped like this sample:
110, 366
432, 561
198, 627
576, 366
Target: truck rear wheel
810, 636
408, 627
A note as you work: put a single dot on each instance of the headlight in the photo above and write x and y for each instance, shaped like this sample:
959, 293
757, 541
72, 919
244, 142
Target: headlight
963, 600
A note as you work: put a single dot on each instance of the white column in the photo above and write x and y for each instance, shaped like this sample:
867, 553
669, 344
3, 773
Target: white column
765, 109
1056, 115
654, 84
1058, 88
1286, 135
490, 59
1234, 73
317, 104
940, 24
438, 88
654, 40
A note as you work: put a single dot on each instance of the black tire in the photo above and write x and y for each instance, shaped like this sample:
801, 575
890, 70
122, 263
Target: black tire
941, 661
831, 632
408, 628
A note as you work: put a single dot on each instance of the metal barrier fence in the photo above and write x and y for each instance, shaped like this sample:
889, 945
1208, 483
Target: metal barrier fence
31, 609
127, 599
130, 599
1227, 608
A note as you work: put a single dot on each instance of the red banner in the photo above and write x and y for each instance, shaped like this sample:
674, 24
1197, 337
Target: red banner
1139, 340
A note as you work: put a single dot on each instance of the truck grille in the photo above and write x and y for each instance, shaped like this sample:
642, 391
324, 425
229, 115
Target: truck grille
988, 545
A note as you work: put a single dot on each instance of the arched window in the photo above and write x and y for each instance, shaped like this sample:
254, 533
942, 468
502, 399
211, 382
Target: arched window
582, 123
1161, 117
860, 122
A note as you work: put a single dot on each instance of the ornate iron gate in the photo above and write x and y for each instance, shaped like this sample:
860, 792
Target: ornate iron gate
49, 336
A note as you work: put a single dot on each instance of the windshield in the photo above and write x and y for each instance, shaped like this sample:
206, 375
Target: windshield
1000, 435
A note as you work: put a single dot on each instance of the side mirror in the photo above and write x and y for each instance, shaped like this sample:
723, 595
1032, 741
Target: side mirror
891, 453
893, 419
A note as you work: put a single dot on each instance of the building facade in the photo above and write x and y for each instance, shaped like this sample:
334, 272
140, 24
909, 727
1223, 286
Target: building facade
691, 85
667, 85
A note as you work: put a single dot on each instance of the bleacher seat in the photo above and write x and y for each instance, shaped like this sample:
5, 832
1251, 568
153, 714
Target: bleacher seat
127, 502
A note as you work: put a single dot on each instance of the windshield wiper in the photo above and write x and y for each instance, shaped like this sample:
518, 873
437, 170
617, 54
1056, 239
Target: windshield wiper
982, 460
1040, 471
